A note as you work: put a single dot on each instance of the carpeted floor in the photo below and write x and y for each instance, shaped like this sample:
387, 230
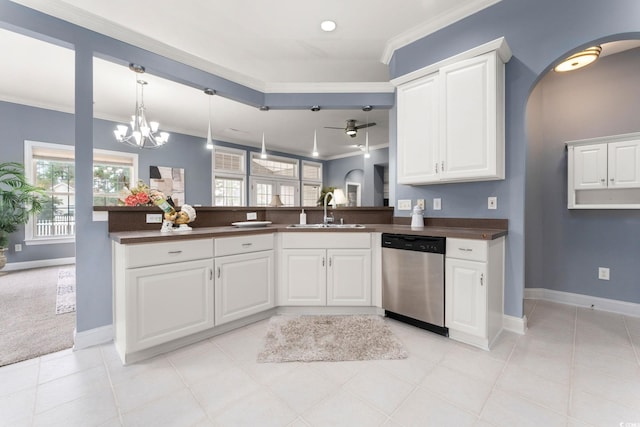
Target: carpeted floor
29, 325
329, 338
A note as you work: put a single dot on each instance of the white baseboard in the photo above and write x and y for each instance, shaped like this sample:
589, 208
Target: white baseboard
91, 337
596, 303
13, 266
514, 324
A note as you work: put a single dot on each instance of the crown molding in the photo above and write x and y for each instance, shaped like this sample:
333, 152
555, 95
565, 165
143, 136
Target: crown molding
420, 31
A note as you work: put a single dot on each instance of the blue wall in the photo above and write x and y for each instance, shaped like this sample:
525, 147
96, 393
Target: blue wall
564, 248
538, 33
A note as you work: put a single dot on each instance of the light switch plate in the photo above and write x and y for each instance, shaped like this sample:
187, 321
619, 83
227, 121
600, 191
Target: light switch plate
492, 202
404, 205
18, 247
154, 218
437, 204
603, 273
251, 215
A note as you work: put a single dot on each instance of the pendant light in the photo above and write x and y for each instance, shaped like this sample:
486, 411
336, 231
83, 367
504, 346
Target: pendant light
315, 153
209, 140
143, 134
367, 108
263, 153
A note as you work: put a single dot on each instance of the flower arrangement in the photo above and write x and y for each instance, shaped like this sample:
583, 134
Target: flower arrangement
140, 195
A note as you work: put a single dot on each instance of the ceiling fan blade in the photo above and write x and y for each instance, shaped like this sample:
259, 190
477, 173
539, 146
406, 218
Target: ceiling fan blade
366, 125
331, 127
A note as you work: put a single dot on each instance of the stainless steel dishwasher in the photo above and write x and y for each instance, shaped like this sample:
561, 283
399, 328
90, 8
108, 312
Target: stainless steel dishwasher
413, 280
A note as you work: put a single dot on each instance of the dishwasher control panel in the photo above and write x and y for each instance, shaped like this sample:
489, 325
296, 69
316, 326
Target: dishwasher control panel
414, 243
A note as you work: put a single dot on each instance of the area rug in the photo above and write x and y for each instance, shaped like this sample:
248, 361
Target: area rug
329, 338
66, 291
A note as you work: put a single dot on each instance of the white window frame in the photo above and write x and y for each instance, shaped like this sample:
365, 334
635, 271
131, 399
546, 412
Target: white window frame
314, 182
29, 238
294, 162
275, 183
229, 173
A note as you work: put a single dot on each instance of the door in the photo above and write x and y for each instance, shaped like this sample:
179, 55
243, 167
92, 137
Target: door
244, 285
167, 302
466, 296
624, 164
304, 277
590, 166
468, 121
349, 277
418, 131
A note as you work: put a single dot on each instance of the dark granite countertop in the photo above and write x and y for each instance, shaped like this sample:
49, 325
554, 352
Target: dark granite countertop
130, 237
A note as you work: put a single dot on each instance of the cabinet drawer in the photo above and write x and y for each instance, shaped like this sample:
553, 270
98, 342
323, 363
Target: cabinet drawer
243, 244
145, 254
473, 250
326, 239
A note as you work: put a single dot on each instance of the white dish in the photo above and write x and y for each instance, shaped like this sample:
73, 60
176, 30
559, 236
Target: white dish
251, 223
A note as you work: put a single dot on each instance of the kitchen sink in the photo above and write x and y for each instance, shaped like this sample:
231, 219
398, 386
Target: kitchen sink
325, 226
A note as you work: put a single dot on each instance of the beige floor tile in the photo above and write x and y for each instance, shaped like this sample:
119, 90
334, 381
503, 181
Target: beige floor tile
177, 409
89, 410
19, 376
380, 389
344, 409
216, 392
260, 408
597, 411
302, 388
17, 408
463, 390
508, 410
425, 409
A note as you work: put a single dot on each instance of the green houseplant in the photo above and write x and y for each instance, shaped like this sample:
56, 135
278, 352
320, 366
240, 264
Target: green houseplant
18, 200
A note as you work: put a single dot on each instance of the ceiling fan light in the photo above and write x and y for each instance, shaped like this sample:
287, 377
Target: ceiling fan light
579, 59
328, 26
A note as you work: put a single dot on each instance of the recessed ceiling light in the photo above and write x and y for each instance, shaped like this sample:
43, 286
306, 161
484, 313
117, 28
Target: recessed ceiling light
579, 60
328, 26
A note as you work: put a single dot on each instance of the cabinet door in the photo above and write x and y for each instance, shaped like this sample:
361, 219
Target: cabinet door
590, 166
243, 285
168, 301
418, 131
304, 278
468, 121
466, 296
624, 164
349, 277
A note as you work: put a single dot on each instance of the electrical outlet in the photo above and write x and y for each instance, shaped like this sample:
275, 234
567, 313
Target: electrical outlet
603, 273
437, 204
18, 247
154, 218
404, 205
492, 202
251, 215
420, 202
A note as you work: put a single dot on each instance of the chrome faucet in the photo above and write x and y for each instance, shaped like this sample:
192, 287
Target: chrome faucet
327, 219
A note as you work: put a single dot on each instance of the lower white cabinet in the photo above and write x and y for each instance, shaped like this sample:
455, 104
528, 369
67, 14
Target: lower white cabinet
243, 285
474, 288
325, 269
162, 291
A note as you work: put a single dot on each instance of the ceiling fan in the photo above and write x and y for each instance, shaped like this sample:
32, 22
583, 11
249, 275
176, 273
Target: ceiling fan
352, 127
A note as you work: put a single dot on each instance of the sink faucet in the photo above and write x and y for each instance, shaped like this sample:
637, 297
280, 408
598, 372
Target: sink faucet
327, 219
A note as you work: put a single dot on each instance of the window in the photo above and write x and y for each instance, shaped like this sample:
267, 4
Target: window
263, 189
228, 177
281, 167
311, 183
52, 167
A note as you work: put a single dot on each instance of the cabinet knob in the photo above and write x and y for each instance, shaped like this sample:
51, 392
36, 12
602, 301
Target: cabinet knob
602, 180
612, 179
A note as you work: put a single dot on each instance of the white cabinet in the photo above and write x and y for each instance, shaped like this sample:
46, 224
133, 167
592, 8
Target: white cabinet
474, 290
451, 121
162, 292
325, 269
244, 276
604, 172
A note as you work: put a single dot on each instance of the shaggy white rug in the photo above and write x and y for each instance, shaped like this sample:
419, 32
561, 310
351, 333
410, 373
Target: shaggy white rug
329, 338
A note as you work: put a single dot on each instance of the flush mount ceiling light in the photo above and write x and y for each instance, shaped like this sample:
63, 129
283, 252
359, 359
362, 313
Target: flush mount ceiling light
143, 134
328, 26
579, 59
209, 140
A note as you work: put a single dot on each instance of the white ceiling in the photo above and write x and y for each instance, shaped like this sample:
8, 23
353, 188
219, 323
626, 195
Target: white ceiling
271, 46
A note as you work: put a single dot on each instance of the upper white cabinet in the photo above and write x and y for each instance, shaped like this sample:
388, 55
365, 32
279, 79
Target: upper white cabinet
604, 173
451, 118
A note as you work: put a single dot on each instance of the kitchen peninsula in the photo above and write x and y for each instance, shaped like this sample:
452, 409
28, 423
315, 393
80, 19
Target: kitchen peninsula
173, 289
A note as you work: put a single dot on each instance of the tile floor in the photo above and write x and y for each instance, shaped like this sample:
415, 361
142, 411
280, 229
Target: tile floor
574, 367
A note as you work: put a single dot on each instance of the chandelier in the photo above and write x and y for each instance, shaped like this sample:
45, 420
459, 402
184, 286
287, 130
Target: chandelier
143, 134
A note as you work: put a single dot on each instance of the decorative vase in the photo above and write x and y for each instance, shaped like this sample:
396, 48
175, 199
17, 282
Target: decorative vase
3, 258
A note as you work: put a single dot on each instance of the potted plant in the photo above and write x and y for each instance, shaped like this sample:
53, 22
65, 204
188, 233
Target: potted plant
18, 200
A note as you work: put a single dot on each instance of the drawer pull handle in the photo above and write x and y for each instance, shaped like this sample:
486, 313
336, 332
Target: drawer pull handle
323, 261
218, 272
211, 274
246, 245
482, 279
329, 261
175, 252
466, 249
